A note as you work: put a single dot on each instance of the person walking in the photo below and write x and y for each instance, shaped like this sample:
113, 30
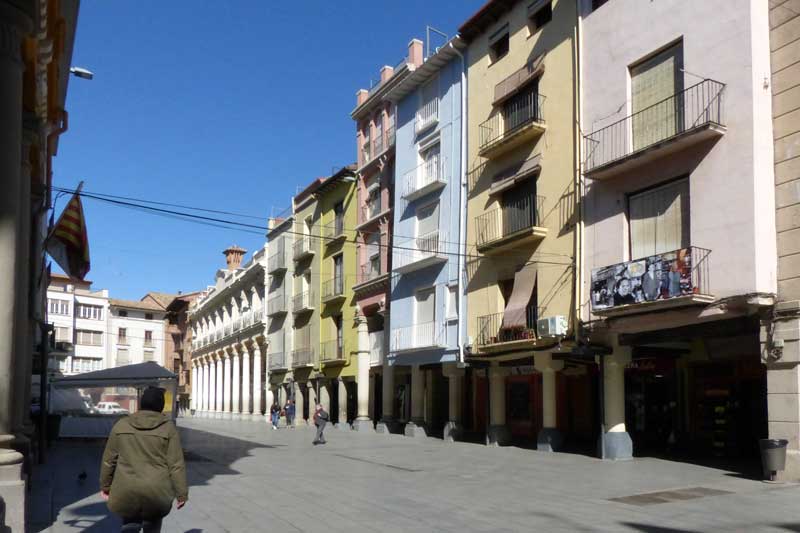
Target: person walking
143, 468
320, 420
288, 410
275, 414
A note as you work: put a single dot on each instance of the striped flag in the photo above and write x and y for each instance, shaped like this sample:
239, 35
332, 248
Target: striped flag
68, 243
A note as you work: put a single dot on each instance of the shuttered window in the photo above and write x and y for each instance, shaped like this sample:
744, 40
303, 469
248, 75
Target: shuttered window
659, 219
427, 219
426, 306
653, 82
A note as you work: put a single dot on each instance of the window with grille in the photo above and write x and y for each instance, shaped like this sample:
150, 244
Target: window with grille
659, 219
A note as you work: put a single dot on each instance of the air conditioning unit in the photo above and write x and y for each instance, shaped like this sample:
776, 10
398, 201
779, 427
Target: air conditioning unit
552, 326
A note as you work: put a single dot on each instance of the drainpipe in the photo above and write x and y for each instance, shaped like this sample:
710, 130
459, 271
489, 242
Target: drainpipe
579, 182
462, 205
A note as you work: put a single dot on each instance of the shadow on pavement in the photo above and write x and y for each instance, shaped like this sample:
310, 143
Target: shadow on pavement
60, 496
657, 529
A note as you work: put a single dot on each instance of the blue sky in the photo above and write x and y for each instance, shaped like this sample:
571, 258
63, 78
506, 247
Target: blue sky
225, 105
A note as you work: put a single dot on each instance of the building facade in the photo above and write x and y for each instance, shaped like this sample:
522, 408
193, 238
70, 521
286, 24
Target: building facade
79, 317
426, 334
521, 218
679, 261
136, 333
781, 335
229, 340
178, 344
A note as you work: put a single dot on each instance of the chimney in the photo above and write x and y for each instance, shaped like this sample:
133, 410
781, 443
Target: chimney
361, 96
386, 73
233, 256
415, 52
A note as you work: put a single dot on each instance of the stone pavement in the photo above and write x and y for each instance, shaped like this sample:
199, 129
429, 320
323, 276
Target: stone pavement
246, 477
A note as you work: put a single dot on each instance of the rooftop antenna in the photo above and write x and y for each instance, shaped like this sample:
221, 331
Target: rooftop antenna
428, 31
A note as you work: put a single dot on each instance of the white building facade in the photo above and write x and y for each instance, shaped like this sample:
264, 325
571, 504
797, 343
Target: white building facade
136, 333
229, 343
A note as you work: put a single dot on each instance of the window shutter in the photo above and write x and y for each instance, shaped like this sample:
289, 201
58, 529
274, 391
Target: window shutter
652, 82
659, 220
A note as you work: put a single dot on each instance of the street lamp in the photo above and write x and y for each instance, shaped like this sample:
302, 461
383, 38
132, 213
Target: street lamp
81, 72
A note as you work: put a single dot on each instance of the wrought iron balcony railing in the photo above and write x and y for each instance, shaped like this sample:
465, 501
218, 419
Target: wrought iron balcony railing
335, 230
427, 115
276, 305
331, 351
303, 356
303, 246
427, 177
277, 260
516, 115
491, 330
277, 361
333, 288
303, 302
676, 277
695, 108
370, 271
515, 216
419, 252
418, 337
237, 325
371, 209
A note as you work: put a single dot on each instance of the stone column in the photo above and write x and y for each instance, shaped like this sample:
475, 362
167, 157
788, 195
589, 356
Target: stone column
362, 421
499, 434
371, 400
213, 412
299, 403
226, 386
616, 443
12, 489
201, 390
257, 387
236, 407
220, 386
247, 410
549, 438
342, 404
455, 392
193, 398
386, 423
416, 427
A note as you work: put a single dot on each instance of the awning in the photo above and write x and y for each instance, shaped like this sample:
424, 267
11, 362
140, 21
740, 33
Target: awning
515, 312
507, 178
142, 374
518, 80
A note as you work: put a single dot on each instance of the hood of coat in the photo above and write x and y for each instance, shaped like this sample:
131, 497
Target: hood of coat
147, 419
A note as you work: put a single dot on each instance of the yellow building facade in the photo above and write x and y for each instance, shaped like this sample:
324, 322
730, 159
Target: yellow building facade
521, 214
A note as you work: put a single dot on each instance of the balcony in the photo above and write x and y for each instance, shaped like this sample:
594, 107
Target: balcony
677, 123
277, 361
303, 357
303, 302
377, 349
228, 330
672, 279
303, 247
427, 115
425, 179
493, 336
515, 224
371, 277
419, 337
370, 211
277, 260
237, 325
520, 120
276, 305
333, 290
247, 319
420, 252
335, 232
366, 152
331, 352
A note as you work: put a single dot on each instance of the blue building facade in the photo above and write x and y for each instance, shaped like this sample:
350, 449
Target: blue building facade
428, 289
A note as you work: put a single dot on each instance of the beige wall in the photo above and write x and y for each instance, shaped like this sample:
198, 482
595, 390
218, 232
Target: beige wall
556, 146
784, 20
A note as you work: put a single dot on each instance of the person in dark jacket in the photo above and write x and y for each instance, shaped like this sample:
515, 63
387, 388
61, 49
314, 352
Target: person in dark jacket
320, 419
275, 414
143, 468
288, 409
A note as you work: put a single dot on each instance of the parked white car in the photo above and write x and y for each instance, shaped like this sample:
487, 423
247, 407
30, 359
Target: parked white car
111, 408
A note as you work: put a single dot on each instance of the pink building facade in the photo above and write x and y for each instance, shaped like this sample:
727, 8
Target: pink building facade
375, 139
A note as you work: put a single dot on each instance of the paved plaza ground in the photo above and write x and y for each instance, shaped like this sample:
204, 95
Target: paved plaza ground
247, 477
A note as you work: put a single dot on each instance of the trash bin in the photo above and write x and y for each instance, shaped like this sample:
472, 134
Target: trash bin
773, 456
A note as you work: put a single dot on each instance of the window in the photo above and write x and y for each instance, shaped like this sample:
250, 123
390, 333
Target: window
522, 108
88, 338
653, 82
597, 3
62, 334
374, 253
148, 316
519, 208
431, 168
123, 358
57, 307
425, 306
499, 43
539, 14
149, 355
452, 302
659, 219
337, 323
427, 219
122, 336
89, 312
122, 312
338, 218
148, 338
338, 273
